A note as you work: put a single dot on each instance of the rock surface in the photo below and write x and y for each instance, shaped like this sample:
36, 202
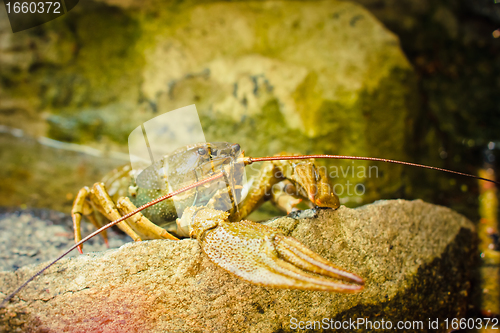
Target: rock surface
33, 236
416, 259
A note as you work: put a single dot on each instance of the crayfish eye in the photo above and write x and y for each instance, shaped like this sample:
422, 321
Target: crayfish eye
202, 151
236, 147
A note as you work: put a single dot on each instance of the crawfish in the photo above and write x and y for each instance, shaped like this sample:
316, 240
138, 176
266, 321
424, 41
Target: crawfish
212, 213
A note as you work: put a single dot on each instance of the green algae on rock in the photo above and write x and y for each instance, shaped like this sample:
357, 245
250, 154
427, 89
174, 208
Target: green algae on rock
288, 76
302, 77
416, 258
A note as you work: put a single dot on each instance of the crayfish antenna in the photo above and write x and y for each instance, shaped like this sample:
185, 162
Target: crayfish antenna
250, 160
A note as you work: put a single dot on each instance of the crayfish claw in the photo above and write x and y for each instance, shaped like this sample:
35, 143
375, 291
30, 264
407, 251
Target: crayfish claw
262, 255
298, 254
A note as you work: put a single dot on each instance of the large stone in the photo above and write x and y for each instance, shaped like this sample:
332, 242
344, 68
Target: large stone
417, 260
303, 77
288, 76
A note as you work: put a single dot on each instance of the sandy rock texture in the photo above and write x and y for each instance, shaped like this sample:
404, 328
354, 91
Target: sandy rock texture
32, 236
416, 259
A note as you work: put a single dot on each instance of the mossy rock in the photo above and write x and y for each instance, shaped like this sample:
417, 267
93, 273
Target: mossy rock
301, 77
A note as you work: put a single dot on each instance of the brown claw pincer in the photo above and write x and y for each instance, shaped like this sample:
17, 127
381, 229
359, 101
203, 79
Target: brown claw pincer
262, 255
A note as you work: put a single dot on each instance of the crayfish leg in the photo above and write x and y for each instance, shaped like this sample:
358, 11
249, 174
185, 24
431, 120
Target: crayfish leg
308, 181
283, 198
76, 214
96, 219
107, 207
142, 225
84, 207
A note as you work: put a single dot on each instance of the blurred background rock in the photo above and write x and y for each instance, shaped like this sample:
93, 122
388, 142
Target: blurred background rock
415, 80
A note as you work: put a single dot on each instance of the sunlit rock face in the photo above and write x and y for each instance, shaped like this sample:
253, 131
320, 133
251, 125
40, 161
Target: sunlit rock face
302, 77
417, 260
